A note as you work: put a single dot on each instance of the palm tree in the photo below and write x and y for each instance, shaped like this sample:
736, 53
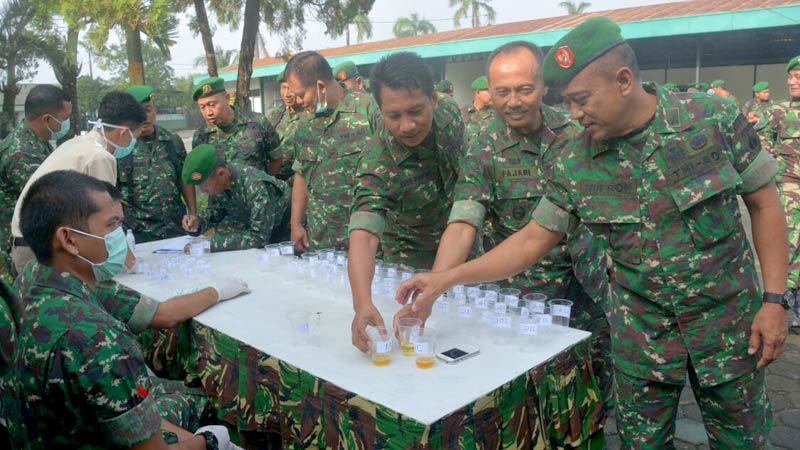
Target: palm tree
574, 7
473, 9
363, 28
412, 26
222, 58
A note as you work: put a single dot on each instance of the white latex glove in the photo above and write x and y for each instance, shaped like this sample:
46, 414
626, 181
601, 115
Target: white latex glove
230, 287
219, 432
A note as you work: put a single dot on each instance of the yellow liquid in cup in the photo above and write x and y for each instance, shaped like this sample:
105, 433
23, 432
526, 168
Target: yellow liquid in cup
381, 359
407, 348
425, 362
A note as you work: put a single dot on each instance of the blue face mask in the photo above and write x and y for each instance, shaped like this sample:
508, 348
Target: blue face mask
120, 151
321, 107
56, 135
117, 248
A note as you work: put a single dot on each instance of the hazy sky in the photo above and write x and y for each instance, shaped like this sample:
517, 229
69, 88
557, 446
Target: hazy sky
383, 15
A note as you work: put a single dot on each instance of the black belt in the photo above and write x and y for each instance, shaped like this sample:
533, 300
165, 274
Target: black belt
19, 242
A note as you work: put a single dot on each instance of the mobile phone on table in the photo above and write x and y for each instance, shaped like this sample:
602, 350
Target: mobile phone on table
457, 354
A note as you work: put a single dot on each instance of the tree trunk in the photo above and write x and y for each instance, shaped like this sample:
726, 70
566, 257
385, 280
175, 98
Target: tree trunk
347, 34
133, 47
10, 91
205, 34
252, 16
69, 81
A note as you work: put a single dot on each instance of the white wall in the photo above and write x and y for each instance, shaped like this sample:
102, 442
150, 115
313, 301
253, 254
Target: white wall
462, 74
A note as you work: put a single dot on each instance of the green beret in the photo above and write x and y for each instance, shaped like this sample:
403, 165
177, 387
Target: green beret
671, 87
760, 86
281, 76
444, 86
717, 83
578, 48
345, 71
793, 64
198, 164
141, 92
702, 86
480, 83
208, 87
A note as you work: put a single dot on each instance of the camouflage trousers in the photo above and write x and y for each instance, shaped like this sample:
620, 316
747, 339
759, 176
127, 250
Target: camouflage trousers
790, 198
736, 414
170, 352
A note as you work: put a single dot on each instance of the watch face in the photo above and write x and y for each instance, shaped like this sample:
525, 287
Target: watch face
788, 298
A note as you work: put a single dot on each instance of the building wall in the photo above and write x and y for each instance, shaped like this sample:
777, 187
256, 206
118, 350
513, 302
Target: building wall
462, 74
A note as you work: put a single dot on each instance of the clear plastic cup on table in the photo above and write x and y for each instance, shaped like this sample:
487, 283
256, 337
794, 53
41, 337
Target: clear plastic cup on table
199, 246
425, 347
302, 322
379, 267
560, 308
510, 297
535, 302
287, 248
406, 327
458, 289
406, 275
341, 257
528, 334
472, 292
326, 254
392, 270
502, 332
443, 305
271, 252
545, 321
380, 345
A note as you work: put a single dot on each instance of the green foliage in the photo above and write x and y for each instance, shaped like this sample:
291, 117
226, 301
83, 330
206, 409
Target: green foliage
412, 26
472, 8
91, 91
573, 7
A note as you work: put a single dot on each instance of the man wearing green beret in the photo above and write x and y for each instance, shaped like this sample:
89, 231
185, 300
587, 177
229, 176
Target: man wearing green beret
784, 126
445, 87
718, 86
247, 208
284, 117
759, 103
656, 175
347, 73
326, 147
247, 136
150, 179
479, 113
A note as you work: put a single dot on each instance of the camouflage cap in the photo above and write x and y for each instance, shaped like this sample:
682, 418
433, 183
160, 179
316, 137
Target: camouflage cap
198, 164
444, 86
141, 92
345, 71
793, 64
208, 87
761, 86
480, 84
671, 87
281, 76
579, 48
718, 83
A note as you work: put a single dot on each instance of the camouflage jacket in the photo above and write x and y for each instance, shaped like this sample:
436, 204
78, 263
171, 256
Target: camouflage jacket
682, 274
326, 151
150, 182
245, 215
250, 139
754, 105
784, 126
285, 122
476, 120
21, 152
403, 194
11, 401
502, 179
82, 373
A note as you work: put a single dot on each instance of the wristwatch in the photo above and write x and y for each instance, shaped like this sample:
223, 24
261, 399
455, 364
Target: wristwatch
211, 440
786, 299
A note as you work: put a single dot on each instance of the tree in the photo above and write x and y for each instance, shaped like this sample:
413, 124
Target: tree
412, 26
18, 46
226, 11
473, 9
90, 92
573, 7
363, 28
222, 58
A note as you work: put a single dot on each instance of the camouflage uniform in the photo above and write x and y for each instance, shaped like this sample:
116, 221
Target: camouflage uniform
683, 283
250, 139
150, 182
408, 191
501, 181
784, 124
83, 374
476, 120
762, 127
21, 152
253, 212
285, 121
326, 151
12, 420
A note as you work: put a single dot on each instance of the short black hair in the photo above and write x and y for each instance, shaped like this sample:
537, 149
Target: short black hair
401, 70
514, 46
44, 99
61, 197
620, 56
120, 108
308, 67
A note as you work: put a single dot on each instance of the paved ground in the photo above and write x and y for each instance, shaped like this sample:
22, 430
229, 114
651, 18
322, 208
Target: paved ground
783, 385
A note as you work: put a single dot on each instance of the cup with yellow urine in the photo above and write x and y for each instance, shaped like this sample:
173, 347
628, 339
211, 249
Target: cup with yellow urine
380, 345
406, 327
424, 347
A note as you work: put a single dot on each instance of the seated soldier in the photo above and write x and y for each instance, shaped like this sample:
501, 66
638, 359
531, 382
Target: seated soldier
81, 371
246, 207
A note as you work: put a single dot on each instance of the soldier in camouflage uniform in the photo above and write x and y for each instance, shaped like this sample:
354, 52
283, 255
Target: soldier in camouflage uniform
82, 373
718, 86
150, 179
478, 114
12, 420
501, 181
757, 111
246, 208
347, 74
284, 118
247, 137
47, 110
784, 125
326, 146
657, 175
406, 176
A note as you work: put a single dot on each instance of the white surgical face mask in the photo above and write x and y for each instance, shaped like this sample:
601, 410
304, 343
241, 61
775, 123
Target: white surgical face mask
120, 151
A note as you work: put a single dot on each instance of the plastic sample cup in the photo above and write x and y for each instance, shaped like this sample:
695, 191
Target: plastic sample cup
300, 321
535, 302
560, 309
425, 347
380, 345
502, 328
287, 248
406, 328
510, 297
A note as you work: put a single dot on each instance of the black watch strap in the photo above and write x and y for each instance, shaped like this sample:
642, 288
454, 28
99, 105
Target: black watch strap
786, 299
211, 440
